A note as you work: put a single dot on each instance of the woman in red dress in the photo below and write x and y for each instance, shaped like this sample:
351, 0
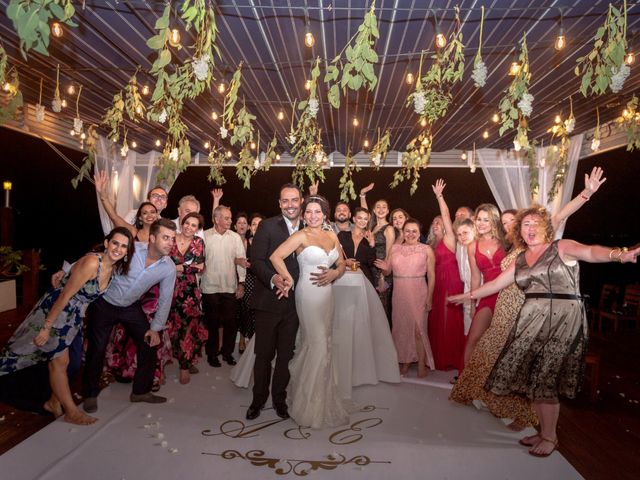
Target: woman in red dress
446, 321
485, 255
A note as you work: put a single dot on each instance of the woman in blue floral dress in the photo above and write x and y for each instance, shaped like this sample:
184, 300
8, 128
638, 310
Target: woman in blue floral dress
54, 322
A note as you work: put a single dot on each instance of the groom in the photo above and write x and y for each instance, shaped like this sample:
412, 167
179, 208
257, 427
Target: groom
276, 321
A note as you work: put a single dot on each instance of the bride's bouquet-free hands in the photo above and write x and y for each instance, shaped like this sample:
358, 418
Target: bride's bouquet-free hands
283, 284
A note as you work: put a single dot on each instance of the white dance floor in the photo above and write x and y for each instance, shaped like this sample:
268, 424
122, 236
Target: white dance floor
402, 431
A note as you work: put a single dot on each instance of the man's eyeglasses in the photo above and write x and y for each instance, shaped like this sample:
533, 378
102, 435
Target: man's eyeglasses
158, 196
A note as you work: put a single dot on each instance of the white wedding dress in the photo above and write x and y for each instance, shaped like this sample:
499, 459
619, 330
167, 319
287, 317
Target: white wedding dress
312, 395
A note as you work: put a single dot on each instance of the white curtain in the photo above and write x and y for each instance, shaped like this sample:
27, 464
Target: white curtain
508, 178
131, 178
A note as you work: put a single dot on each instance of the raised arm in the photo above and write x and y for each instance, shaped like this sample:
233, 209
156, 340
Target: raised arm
431, 277
592, 183
101, 180
216, 193
82, 271
570, 250
363, 195
449, 236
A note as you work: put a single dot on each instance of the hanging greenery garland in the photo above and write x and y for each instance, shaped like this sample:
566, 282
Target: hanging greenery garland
604, 66
346, 186
10, 84
358, 71
630, 121
31, 21
595, 143
216, 159
479, 74
532, 164
131, 103
87, 164
558, 156
516, 105
379, 151
414, 159
39, 107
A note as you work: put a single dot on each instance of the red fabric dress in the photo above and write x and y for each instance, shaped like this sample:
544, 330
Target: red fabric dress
446, 320
490, 269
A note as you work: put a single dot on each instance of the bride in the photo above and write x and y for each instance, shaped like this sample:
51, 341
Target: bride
313, 398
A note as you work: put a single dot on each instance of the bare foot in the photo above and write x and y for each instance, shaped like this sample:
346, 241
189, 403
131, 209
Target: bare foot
544, 447
184, 377
53, 407
79, 418
530, 441
404, 369
422, 371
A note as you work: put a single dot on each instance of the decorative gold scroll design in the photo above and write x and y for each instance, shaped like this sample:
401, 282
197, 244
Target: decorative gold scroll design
238, 429
298, 467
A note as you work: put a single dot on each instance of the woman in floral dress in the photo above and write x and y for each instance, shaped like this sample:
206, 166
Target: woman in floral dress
47, 332
186, 330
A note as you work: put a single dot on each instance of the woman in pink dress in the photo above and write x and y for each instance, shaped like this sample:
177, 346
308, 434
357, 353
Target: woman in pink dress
485, 255
446, 322
412, 297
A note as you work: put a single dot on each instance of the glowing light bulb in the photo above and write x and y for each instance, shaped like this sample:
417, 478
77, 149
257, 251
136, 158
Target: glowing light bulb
72, 133
561, 41
229, 154
57, 30
214, 116
64, 103
630, 58
555, 148
222, 87
355, 122
463, 156
277, 156
625, 113
309, 39
138, 109
423, 122
174, 37
495, 118
253, 145
543, 162
514, 69
134, 144
409, 79
280, 115
485, 134
366, 144
206, 145
307, 85
84, 135
6, 87
558, 119
441, 40
145, 90
158, 142
71, 90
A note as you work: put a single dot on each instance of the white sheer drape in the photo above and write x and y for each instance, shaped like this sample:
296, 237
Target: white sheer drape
508, 178
130, 182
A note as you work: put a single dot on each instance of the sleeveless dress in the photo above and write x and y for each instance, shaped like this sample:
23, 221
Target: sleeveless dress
543, 356
409, 264
446, 320
185, 327
21, 352
490, 269
470, 384
312, 395
381, 254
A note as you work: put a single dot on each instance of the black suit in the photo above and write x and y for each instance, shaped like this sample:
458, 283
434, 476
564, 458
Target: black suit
276, 321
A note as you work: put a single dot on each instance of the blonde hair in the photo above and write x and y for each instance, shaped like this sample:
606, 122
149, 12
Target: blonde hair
535, 210
492, 211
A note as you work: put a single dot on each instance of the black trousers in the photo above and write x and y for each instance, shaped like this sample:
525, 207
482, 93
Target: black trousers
102, 317
220, 310
275, 335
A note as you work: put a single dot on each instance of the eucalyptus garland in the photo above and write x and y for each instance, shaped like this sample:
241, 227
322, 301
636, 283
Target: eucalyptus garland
516, 105
131, 103
243, 127
534, 174
216, 159
31, 20
175, 158
379, 151
90, 142
358, 71
306, 144
479, 74
245, 166
4, 61
604, 66
230, 100
559, 157
630, 121
270, 156
346, 186
11, 84
414, 159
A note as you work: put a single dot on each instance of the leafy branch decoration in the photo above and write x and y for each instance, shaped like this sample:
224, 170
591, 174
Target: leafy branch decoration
630, 121
358, 71
87, 164
604, 66
379, 151
131, 104
414, 159
346, 186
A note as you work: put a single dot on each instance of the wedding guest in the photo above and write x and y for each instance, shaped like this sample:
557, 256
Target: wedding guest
341, 218
446, 321
56, 320
246, 326
186, 205
470, 385
222, 283
149, 266
464, 212
412, 298
186, 329
544, 354
398, 217
157, 196
358, 245
465, 234
485, 255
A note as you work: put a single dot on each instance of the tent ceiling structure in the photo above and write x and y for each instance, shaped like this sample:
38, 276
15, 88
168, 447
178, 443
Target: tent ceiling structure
267, 36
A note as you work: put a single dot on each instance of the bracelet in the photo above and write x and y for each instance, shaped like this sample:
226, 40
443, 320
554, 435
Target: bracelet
622, 250
584, 197
439, 196
362, 195
611, 253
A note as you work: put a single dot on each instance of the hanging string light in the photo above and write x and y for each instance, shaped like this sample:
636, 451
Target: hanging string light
561, 40
495, 118
158, 142
71, 90
630, 58
423, 122
309, 39
222, 87
355, 122
145, 90
57, 30
174, 37
214, 116
64, 103
253, 145
366, 144
280, 115
441, 39
558, 119
409, 78
485, 134
277, 156
514, 69
307, 85
229, 154
206, 145
134, 144
463, 156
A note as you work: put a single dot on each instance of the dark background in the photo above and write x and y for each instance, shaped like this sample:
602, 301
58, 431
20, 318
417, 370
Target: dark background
63, 223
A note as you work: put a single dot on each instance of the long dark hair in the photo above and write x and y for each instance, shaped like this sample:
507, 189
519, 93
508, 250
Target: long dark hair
121, 266
138, 223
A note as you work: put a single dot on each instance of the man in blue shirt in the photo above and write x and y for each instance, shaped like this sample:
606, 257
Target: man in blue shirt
150, 265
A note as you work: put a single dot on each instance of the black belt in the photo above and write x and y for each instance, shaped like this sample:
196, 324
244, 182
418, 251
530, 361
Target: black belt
561, 296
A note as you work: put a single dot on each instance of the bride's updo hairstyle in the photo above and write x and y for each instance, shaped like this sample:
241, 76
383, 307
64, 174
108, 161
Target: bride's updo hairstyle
320, 200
